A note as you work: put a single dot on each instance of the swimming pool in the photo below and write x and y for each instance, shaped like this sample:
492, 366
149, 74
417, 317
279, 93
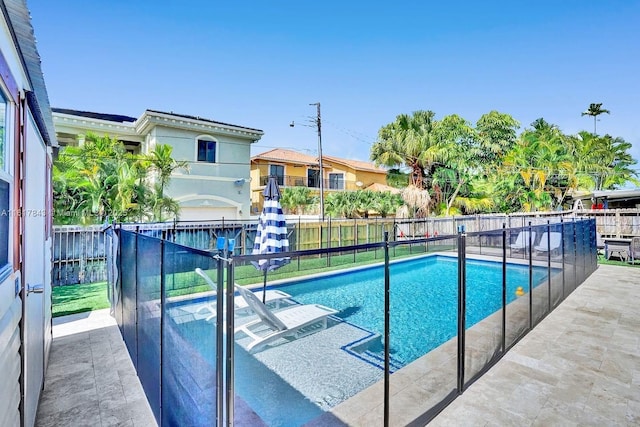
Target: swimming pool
293, 383
423, 298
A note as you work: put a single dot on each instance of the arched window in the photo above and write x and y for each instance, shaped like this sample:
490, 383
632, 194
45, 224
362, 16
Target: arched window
206, 149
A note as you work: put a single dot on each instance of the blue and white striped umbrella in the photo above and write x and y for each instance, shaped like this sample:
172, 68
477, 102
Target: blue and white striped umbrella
271, 235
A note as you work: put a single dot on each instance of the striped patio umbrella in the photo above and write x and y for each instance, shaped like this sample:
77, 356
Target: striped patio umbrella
271, 235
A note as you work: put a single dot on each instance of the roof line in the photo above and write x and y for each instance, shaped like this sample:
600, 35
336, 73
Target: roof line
203, 119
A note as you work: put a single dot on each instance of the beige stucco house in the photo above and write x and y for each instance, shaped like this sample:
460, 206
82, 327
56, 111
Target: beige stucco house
217, 183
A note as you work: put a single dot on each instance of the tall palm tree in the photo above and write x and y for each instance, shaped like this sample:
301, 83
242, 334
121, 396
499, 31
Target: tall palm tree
164, 165
594, 111
408, 141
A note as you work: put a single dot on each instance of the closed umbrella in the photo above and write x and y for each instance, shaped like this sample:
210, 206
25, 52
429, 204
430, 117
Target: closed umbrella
271, 235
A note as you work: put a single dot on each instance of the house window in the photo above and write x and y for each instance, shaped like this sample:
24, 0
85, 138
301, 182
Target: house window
278, 172
313, 178
206, 151
336, 181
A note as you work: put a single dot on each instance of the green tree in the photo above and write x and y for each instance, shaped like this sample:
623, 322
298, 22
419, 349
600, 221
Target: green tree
396, 178
408, 141
604, 162
496, 134
161, 162
538, 155
88, 179
361, 203
594, 111
458, 158
100, 181
386, 203
341, 204
297, 200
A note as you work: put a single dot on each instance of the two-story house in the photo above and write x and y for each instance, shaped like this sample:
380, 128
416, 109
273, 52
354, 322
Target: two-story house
216, 185
26, 141
295, 169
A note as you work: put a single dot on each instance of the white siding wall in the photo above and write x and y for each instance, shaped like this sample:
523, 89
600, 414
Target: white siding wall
10, 314
10, 302
11, 306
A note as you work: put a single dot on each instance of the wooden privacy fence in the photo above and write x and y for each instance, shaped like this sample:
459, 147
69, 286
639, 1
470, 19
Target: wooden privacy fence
79, 253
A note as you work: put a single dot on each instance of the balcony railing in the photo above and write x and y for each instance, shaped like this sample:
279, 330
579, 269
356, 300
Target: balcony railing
298, 181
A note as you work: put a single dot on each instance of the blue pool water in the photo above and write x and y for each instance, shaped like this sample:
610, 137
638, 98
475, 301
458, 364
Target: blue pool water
423, 298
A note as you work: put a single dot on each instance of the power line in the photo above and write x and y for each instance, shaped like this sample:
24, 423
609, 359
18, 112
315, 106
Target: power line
352, 133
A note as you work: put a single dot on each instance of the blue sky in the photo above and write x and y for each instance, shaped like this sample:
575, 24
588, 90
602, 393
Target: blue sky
261, 63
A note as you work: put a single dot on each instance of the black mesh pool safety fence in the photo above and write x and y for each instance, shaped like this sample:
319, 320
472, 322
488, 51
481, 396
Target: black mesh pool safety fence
384, 333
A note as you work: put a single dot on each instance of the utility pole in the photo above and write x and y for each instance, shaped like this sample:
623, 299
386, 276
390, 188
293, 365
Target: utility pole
319, 125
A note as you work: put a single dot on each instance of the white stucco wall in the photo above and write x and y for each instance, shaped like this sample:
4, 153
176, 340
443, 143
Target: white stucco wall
209, 190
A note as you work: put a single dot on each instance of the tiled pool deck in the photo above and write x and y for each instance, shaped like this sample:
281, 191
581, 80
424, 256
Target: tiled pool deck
580, 365
90, 380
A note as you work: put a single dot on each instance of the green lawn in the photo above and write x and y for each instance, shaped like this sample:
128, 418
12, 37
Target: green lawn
72, 299
615, 261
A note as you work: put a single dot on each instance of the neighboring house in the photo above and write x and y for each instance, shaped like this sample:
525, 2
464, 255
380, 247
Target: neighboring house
607, 199
217, 183
294, 169
26, 140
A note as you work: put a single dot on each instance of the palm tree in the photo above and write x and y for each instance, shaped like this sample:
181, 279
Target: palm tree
595, 110
615, 163
164, 165
296, 199
540, 159
341, 204
417, 201
397, 178
408, 141
386, 203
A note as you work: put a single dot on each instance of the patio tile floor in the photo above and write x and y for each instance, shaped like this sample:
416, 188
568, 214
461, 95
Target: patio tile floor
90, 380
579, 366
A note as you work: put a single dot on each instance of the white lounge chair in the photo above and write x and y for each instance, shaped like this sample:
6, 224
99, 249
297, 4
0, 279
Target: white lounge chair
522, 241
272, 297
296, 321
549, 242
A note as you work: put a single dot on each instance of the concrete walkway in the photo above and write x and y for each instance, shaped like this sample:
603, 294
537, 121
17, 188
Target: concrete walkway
90, 380
579, 366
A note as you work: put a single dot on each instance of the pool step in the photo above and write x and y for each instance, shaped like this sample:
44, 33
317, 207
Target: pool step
371, 350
